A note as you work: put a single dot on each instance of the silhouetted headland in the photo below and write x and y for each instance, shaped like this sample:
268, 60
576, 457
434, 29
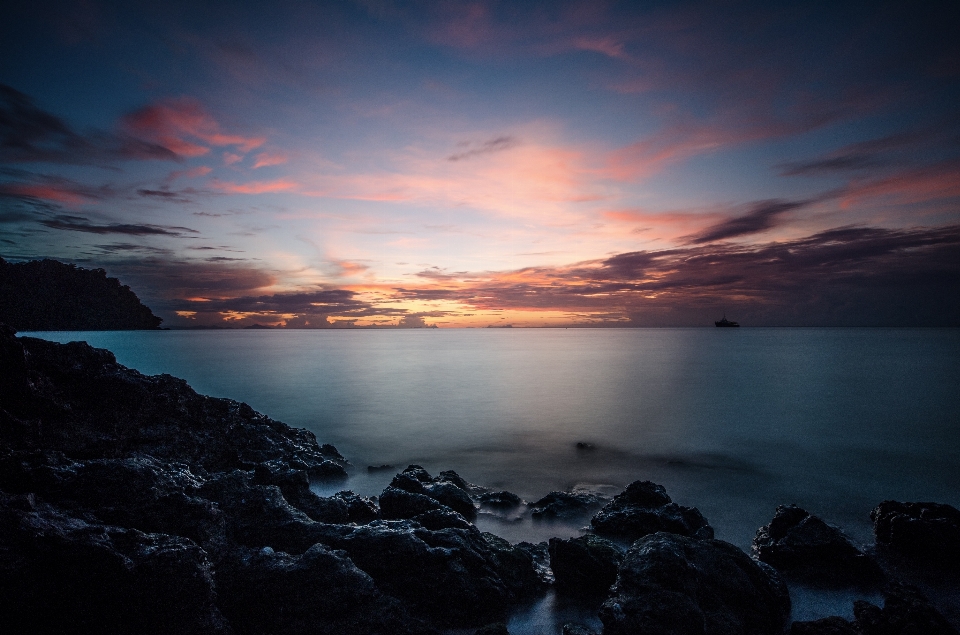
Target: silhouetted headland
47, 295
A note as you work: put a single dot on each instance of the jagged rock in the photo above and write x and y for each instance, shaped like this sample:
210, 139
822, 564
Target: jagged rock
644, 508
320, 592
295, 486
826, 626
927, 531
565, 505
60, 573
451, 575
92, 407
517, 565
259, 516
499, 500
445, 489
905, 612
443, 518
798, 542
360, 510
586, 565
396, 503
674, 585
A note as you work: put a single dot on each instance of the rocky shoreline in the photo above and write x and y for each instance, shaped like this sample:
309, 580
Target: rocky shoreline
132, 504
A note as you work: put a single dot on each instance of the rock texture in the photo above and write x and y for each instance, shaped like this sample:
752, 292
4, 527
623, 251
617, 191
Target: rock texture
565, 505
905, 612
586, 565
674, 585
798, 542
644, 508
926, 531
131, 504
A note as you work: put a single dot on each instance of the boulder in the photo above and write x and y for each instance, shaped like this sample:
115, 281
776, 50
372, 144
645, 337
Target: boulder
906, 611
499, 500
396, 503
565, 505
644, 508
295, 486
60, 573
669, 584
319, 592
804, 545
926, 531
586, 565
448, 489
360, 509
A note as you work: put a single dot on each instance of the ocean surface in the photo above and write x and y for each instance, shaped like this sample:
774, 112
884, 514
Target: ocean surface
732, 421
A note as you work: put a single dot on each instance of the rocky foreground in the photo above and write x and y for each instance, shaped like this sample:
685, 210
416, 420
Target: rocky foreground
131, 504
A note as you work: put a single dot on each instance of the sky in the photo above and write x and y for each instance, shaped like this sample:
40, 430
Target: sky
483, 163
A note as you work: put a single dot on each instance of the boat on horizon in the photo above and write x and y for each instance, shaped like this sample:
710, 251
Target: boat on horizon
726, 322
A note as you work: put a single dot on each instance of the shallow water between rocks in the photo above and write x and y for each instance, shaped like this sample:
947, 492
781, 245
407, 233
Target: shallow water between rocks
732, 421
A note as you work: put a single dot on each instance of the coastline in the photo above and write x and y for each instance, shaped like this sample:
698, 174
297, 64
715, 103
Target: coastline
211, 455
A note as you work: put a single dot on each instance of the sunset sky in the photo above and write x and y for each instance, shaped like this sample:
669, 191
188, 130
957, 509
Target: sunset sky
320, 164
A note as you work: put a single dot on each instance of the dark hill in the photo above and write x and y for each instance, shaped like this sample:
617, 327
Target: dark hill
46, 295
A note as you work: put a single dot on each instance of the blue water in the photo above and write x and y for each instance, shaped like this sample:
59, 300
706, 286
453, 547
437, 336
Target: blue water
732, 421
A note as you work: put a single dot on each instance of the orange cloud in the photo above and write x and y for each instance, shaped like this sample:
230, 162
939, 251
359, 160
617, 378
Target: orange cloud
257, 187
45, 192
265, 159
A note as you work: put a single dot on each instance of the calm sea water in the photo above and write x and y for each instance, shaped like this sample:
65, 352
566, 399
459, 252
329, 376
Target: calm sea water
732, 421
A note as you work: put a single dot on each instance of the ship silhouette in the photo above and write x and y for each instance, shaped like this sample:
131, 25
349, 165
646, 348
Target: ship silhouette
726, 322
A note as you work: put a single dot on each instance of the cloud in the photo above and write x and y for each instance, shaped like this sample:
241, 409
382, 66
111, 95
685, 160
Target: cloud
81, 224
180, 124
29, 134
266, 159
763, 216
257, 187
499, 144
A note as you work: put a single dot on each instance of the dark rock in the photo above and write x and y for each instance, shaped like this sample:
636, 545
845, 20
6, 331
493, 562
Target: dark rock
826, 626
318, 592
443, 518
360, 510
565, 505
397, 503
905, 612
452, 477
379, 468
517, 565
584, 566
62, 574
926, 531
644, 508
798, 542
583, 445
451, 575
445, 489
499, 500
497, 628
455, 498
577, 629
295, 486
674, 585
259, 516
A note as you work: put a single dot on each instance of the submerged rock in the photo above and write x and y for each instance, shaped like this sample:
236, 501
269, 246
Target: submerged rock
905, 611
674, 585
644, 508
586, 565
926, 531
798, 542
565, 505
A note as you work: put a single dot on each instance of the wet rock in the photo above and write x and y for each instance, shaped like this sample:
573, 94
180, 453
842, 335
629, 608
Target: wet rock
445, 489
517, 565
295, 486
826, 626
586, 565
443, 518
798, 542
259, 516
318, 592
674, 585
451, 576
499, 500
906, 611
396, 503
497, 628
60, 573
360, 509
565, 505
927, 531
379, 468
644, 508
450, 476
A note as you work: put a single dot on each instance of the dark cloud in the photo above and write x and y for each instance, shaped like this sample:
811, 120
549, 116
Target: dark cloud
81, 224
487, 147
29, 134
764, 215
845, 276
873, 153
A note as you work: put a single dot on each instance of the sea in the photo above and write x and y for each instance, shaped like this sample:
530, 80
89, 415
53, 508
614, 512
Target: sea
732, 421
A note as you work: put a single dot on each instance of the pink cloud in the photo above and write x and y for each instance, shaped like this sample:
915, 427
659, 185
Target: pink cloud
258, 187
45, 192
229, 158
179, 124
265, 159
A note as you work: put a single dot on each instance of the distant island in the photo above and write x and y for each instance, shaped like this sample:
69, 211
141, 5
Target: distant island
47, 295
